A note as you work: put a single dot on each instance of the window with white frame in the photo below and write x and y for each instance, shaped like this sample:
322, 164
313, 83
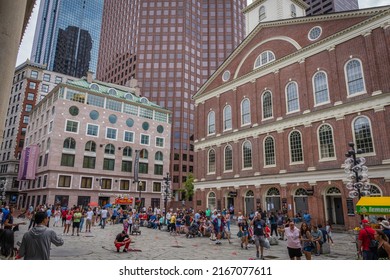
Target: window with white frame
269, 151
64, 181
247, 154
92, 130
293, 11
320, 86
211, 123
211, 161
262, 14
128, 136
145, 139
292, 97
354, 76
159, 142
296, 151
72, 126
227, 117
264, 58
363, 136
325, 138
267, 105
111, 133
228, 158
245, 112
211, 201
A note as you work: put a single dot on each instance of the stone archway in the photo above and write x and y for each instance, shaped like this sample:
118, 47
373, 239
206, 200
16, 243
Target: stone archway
249, 202
300, 201
334, 206
272, 200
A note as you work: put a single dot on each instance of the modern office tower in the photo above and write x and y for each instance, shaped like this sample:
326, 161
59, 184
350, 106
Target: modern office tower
87, 140
31, 83
318, 7
67, 36
171, 48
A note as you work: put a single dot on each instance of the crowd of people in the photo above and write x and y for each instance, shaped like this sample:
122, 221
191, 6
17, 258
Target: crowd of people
259, 228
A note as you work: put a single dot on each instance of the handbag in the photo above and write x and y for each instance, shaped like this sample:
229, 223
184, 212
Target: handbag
239, 234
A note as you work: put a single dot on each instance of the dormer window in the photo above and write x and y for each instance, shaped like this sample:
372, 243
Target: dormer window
94, 87
112, 92
264, 58
262, 15
144, 100
129, 96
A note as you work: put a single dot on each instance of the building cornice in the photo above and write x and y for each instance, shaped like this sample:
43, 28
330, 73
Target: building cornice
377, 102
378, 171
379, 18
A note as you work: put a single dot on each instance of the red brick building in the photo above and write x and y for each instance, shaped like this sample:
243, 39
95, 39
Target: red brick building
274, 121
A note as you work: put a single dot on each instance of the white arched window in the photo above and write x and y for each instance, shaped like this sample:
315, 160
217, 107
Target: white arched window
292, 97
227, 117
211, 161
211, 201
296, 151
247, 154
159, 156
326, 142
245, 112
264, 58
354, 77
293, 11
228, 158
362, 134
211, 123
269, 151
69, 143
320, 88
262, 14
267, 105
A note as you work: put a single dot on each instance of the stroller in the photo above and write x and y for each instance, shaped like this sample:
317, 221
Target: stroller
193, 230
135, 228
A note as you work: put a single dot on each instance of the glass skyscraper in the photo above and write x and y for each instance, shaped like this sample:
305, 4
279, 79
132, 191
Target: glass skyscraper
67, 35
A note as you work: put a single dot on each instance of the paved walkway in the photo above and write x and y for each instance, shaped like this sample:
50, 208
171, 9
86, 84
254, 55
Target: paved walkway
160, 245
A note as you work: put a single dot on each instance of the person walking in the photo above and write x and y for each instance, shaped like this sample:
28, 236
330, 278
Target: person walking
36, 243
366, 234
89, 219
329, 231
259, 235
103, 216
294, 247
306, 239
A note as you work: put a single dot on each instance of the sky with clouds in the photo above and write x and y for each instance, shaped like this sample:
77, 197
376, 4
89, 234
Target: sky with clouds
25, 47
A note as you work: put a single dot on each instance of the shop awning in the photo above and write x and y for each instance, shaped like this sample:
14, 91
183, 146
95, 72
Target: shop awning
374, 205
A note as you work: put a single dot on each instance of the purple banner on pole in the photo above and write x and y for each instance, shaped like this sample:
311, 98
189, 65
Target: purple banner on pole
28, 163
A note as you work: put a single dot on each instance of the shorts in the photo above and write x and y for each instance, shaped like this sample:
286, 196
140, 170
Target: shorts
294, 252
308, 249
259, 240
88, 222
245, 233
76, 224
68, 222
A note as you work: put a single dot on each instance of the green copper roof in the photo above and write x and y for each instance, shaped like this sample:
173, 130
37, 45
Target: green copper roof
105, 88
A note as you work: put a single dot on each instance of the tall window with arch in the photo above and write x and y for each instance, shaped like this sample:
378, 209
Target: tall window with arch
245, 112
267, 105
293, 10
247, 154
143, 154
292, 97
159, 156
296, 151
262, 14
264, 58
127, 152
354, 76
211, 161
109, 149
69, 143
326, 143
90, 146
211, 201
363, 135
227, 117
320, 85
211, 122
269, 151
228, 158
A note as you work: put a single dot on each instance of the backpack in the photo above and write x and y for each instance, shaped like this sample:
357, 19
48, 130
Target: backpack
373, 244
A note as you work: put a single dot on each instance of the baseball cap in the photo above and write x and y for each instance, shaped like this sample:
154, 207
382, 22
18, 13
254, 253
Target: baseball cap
364, 221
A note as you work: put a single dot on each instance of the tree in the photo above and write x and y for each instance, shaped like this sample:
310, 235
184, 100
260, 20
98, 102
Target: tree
188, 187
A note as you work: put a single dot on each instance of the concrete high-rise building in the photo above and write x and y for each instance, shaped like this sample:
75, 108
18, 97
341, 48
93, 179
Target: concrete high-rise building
67, 36
171, 48
318, 7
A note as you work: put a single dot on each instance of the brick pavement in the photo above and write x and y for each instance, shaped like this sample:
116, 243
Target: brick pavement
160, 245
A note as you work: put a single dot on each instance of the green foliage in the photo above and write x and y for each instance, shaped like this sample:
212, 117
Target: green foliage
188, 187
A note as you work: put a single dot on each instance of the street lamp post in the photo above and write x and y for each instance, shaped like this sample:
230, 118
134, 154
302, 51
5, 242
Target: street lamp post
3, 183
166, 193
357, 173
139, 186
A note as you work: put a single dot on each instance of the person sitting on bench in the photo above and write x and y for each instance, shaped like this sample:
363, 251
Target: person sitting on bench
122, 239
